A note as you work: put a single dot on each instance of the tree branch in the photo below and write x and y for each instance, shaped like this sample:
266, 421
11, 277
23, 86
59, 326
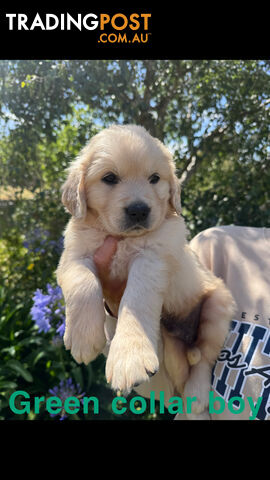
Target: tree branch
200, 154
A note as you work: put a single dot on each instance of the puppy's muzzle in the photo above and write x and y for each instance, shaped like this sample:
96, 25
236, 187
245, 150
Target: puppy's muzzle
137, 215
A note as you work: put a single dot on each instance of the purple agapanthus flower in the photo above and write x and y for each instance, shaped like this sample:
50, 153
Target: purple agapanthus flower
48, 310
40, 311
39, 241
66, 389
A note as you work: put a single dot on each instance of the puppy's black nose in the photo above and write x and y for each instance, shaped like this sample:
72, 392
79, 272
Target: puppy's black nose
137, 212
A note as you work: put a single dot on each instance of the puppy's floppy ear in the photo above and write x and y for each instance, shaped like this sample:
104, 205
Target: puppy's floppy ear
175, 188
73, 191
175, 193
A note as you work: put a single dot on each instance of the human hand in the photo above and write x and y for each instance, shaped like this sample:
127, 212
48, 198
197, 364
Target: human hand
112, 289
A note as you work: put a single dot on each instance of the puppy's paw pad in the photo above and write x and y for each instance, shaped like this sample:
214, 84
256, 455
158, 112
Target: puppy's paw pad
193, 355
151, 374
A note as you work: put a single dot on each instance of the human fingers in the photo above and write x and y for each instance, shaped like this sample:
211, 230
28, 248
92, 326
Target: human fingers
104, 254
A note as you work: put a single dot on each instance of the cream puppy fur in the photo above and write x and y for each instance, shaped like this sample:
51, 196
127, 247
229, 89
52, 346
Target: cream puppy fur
123, 184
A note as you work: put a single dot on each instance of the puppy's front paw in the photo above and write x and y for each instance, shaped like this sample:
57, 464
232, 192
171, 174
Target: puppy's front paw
131, 361
85, 339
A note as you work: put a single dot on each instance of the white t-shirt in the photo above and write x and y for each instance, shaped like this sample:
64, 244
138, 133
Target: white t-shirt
241, 257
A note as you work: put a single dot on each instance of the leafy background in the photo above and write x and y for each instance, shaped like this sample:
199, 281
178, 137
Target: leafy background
213, 115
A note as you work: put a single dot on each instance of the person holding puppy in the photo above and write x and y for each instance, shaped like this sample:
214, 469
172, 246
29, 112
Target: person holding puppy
240, 256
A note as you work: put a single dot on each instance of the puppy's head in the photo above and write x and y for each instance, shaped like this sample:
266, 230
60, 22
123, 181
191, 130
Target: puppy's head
126, 179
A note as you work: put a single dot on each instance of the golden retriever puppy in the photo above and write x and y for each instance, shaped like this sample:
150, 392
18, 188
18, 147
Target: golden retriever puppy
123, 184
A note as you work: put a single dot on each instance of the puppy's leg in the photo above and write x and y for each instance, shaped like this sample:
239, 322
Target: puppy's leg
175, 360
217, 312
133, 352
85, 315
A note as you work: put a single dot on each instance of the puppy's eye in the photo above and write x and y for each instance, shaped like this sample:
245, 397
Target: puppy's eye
154, 178
110, 179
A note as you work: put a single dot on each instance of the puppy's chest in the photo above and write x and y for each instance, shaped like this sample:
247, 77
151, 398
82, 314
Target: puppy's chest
126, 252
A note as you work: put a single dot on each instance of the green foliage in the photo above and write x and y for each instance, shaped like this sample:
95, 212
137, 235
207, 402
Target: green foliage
213, 115
35, 362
